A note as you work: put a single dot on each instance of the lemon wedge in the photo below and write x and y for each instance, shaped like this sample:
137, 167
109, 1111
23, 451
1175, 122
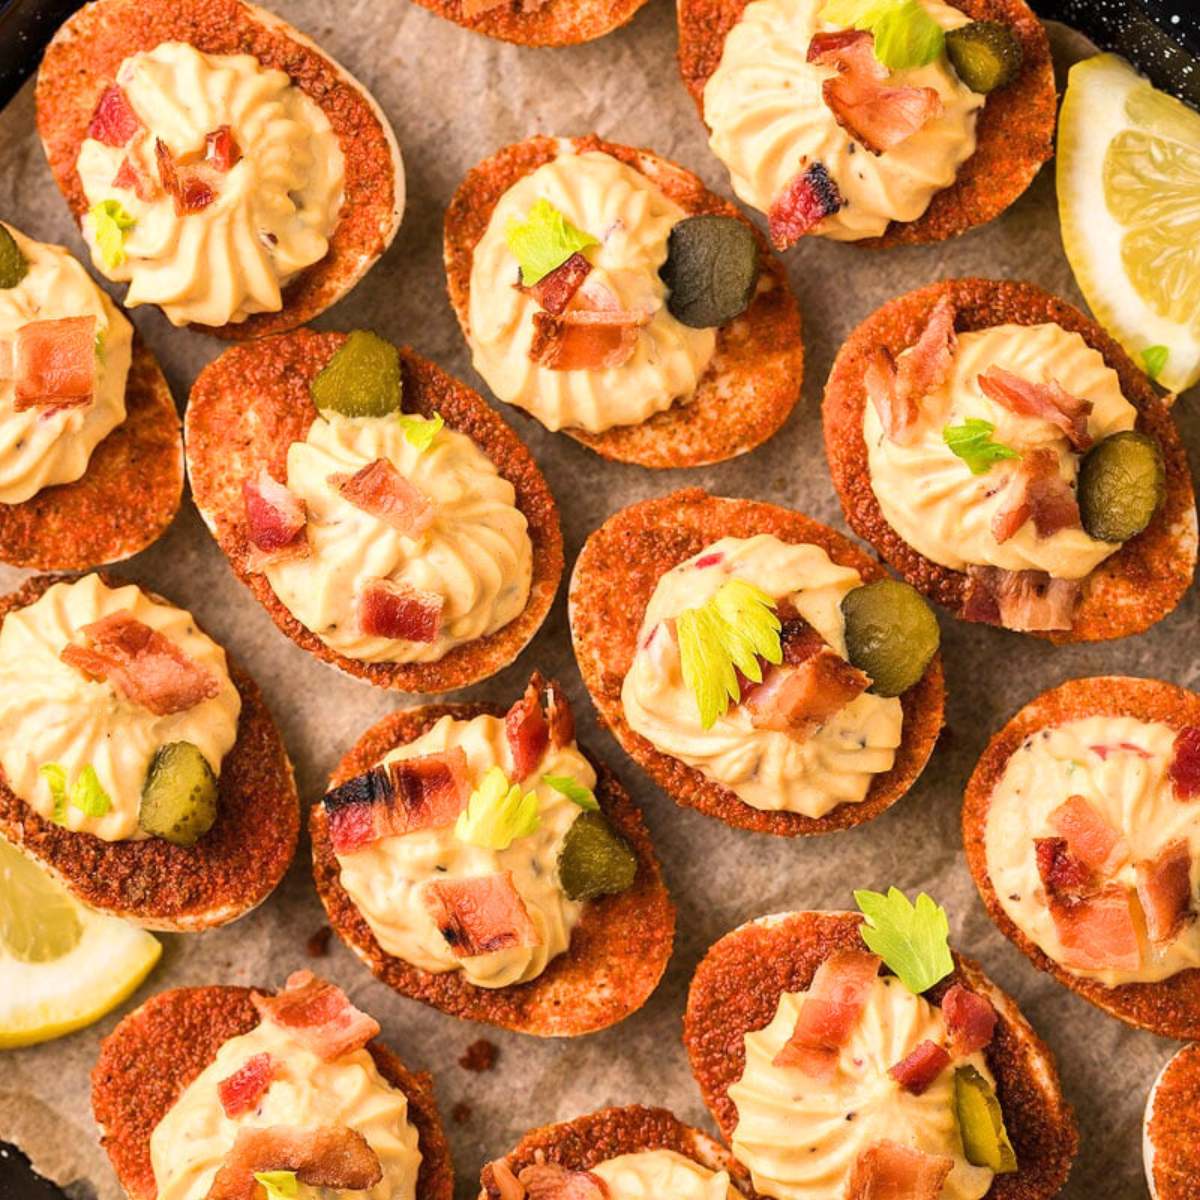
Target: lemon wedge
1128, 175
62, 966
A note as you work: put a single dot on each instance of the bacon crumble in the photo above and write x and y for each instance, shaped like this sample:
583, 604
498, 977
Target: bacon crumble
113, 121
878, 117
1027, 601
276, 521
399, 611
1046, 401
141, 663
332, 1156
53, 363
480, 914
242, 1092
401, 797
318, 1014
810, 197
379, 490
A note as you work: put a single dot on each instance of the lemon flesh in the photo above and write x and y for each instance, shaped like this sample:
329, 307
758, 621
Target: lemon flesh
1128, 175
62, 966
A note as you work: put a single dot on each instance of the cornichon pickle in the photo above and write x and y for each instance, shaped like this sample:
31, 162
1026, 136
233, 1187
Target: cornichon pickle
595, 860
1122, 481
179, 797
986, 55
362, 379
891, 634
13, 264
981, 1123
711, 270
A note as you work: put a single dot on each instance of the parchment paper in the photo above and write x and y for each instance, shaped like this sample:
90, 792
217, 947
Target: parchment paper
453, 98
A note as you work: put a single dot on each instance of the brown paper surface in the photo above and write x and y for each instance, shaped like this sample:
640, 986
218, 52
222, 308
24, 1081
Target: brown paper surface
454, 97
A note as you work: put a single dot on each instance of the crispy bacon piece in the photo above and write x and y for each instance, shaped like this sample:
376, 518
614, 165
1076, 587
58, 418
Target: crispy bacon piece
526, 731
584, 339
875, 115
797, 700
559, 716
1047, 401
480, 914
898, 415
555, 290
888, 1171
133, 179
1164, 889
113, 122
1062, 874
190, 192
896, 389
549, 1181
332, 1156
221, 150
380, 490
145, 666
829, 1012
1021, 600
398, 610
529, 728
276, 521
1089, 837
810, 196
970, 1020
197, 195
1097, 931
389, 801
927, 363
318, 1014
1184, 771
1036, 491
53, 363
798, 640
242, 1091
918, 1070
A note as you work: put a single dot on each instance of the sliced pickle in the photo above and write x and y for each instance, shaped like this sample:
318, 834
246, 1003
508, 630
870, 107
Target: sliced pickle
179, 797
985, 54
13, 264
1122, 481
891, 634
981, 1123
362, 379
711, 270
595, 860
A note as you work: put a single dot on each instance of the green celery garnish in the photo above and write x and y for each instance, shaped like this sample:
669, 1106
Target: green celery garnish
544, 241
905, 35
420, 431
913, 940
497, 813
573, 790
1154, 358
109, 223
56, 779
88, 796
972, 442
86, 793
733, 629
279, 1185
